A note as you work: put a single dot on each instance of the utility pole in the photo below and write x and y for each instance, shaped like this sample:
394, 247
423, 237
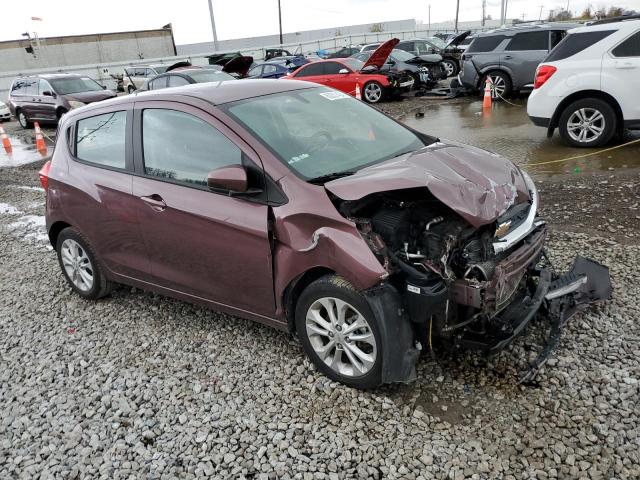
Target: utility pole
280, 21
429, 18
540, 18
502, 14
484, 11
213, 27
457, 12
506, 4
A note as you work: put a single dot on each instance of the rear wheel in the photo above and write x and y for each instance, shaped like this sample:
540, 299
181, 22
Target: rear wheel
502, 86
589, 122
339, 332
372, 92
23, 120
80, 265
450, 66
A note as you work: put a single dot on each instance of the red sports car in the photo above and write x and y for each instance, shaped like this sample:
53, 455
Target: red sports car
345, 73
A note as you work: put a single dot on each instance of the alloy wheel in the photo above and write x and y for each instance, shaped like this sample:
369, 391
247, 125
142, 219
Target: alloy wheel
586, 125
77, 264
499, 86
341, 337
372, 92
22, 120
449, 68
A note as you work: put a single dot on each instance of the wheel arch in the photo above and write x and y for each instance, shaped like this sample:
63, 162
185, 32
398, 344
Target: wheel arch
581, 95
493, 68
54, 231
295, 288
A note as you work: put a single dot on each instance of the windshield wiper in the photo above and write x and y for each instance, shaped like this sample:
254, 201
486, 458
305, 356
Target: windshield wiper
331, 176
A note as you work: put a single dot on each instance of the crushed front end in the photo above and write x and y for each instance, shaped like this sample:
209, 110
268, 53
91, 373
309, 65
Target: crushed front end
473, 287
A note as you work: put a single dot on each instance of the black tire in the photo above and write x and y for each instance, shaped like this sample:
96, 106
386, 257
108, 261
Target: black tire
608, 123
369, 88
503, 84
333, 286
100, 286
23, 120
451, 67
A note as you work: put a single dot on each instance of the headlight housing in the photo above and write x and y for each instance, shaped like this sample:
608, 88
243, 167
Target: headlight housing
76, 104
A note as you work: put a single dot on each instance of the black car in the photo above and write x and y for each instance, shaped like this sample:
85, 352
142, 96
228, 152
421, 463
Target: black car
186, 76
345, 52
426, 70
449, 51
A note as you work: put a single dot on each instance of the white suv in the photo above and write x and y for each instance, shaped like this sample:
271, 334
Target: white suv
589, 84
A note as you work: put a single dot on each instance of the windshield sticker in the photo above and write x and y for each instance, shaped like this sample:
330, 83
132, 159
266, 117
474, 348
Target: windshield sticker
334, 95
298, 158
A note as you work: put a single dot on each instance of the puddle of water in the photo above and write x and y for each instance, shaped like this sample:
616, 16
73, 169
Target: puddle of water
8, 209
21, 153
509, 132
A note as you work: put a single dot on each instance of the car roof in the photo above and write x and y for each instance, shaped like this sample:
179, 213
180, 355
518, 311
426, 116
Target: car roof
527, 27
630, 24
216, 93
53, 76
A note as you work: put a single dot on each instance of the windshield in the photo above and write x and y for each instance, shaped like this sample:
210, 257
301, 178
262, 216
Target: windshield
401, 55
353, 63
438, 42
320, 131
204, 76
65, 86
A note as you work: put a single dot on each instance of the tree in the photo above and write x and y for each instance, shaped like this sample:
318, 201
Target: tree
559, 16
586, 13
376, 28
615, 12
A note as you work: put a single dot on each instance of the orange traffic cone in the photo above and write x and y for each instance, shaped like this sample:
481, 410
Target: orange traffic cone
358, 94
5, 140
486, 102
40, 145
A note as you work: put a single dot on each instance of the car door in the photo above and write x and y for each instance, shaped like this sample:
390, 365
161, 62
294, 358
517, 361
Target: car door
47, 103
100, 203
621, 76
523, 54
345, 82
206, 244
30, 105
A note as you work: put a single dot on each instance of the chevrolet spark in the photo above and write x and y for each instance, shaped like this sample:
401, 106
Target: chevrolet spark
300, 207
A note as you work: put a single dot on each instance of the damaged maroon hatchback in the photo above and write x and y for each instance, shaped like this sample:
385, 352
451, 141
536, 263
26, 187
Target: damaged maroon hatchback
305, 209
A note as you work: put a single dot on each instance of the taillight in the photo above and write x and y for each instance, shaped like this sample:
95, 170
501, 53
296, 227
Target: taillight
44, 175
543, 73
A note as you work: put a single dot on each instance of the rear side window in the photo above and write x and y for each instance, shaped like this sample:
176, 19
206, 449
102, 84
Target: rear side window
529, 41
629, 48
184, 148
19, 87
158, 83
101, 139
311, 70
332, 68
485, 44
176, 81
575, 43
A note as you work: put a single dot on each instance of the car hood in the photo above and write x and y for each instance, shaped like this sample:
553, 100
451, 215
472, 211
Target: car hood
239, 65
431, 58
457, 39
380, 54
478, 185
90, 97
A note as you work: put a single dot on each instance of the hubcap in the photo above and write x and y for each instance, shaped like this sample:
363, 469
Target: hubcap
77, 265
373, 92
499, 86
22, 119
448, 67
341, 336
585, 125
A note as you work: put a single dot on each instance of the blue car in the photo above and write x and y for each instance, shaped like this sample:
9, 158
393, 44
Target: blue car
268, 70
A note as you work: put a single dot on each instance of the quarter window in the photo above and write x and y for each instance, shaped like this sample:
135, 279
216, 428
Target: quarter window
629, 48
575, 43
19, 87
101, 139
529, 41
181, 147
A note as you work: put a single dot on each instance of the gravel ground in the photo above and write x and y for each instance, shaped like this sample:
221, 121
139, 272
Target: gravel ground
140, 386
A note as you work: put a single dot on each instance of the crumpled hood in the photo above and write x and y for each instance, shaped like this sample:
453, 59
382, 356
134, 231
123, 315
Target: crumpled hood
478, 185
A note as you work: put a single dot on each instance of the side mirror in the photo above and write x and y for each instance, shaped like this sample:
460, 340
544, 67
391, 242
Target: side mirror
232, 178
390, 62
343, 71
48, 93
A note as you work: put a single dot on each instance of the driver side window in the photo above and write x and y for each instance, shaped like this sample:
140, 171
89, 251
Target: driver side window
181, 147
332, 68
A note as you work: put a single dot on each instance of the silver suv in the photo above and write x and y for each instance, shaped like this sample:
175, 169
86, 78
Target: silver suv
509, 56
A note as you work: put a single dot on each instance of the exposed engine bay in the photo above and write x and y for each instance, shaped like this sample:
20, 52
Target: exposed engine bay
457, 287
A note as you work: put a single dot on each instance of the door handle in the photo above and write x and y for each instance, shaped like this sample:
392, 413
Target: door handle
155, 201
625, 65
508, 57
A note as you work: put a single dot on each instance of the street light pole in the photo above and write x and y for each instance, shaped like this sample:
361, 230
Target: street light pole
280, 21
429, 19
213, 27
457, 12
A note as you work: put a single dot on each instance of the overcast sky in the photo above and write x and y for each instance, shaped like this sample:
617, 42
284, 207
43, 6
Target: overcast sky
246, 18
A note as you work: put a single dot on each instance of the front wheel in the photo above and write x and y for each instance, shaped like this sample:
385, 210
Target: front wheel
589, 122
372, 92
23, 120
450, 67
340, 333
